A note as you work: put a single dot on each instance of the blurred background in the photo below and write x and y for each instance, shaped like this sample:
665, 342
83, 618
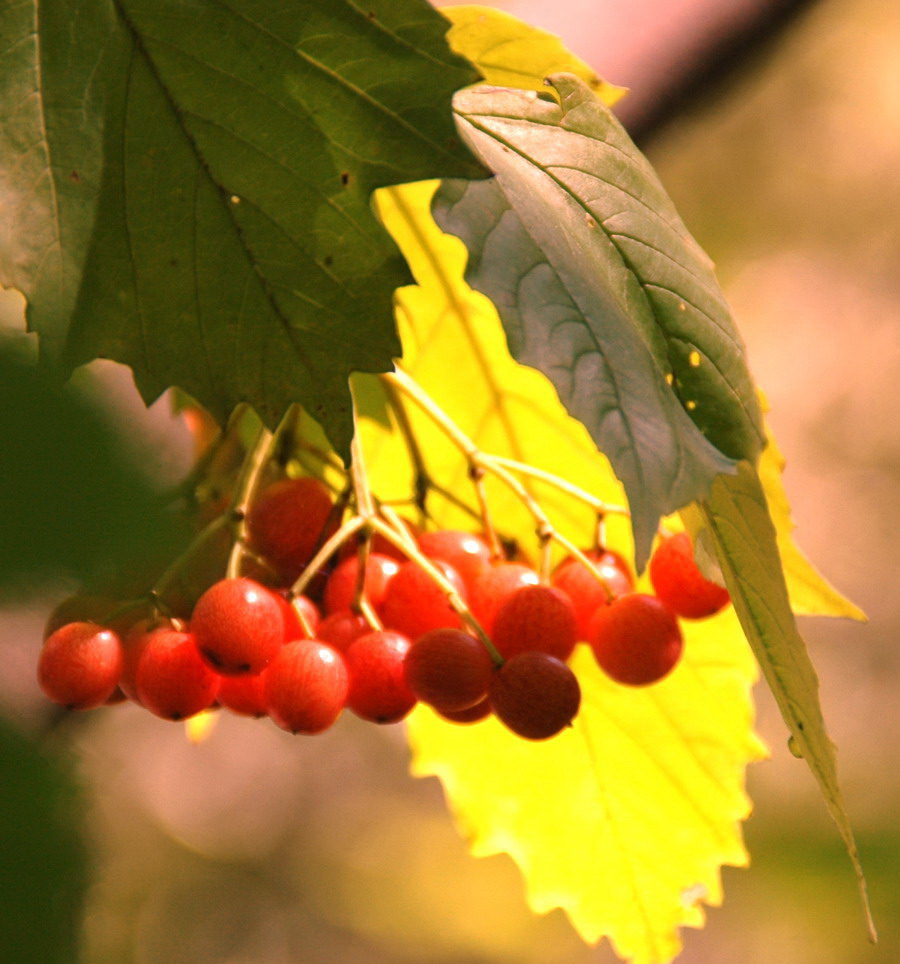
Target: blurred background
781, 150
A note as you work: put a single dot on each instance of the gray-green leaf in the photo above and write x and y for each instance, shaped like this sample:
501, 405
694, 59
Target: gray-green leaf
600, 286
188, 186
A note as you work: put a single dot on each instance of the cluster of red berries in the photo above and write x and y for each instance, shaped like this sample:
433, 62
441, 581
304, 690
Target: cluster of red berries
262, 651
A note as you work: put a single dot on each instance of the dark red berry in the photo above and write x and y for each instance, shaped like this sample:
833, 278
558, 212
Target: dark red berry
679, 583
378, 688
636, 639
171, 679
341, 586
466, 552
293, 628
538, 618
535, 695
414, 604
245, 695
340, 629
238, 625
583, 588
449, 669
306, 686
132, 646
288, 521
493, 586
80, 665
474, 714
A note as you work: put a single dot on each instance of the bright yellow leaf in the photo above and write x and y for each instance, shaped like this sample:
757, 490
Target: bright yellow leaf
511, 53
625, 820
198, 728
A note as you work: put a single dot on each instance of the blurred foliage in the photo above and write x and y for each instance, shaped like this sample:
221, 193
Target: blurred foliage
73, 501
44, 872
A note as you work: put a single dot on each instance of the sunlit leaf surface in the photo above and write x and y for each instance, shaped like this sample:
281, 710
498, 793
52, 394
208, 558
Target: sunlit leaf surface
625, 820
511, 53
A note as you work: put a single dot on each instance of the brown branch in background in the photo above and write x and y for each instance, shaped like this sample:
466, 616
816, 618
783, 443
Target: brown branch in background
709, 67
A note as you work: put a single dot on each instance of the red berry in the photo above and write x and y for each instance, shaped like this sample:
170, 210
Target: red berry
583, 588
378, 689
287, 522
474, 714
293, 628
238, 626
467, 553
679, 583
245, 695
341, 586
535, 695
494, 585
171, 679
414, 604
342, 628
636, 639
133, 646
80, 665
448, 669
535, 618
306, 686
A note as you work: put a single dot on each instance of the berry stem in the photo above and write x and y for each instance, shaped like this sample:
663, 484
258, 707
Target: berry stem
251, 472
498, 468
422, 480
424, 563
523, 468
301, 618
413, 391
476, 474
331, 546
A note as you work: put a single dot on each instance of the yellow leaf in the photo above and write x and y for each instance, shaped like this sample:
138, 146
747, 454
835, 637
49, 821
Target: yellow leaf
810, 593
198, 728
510, 53
625, 820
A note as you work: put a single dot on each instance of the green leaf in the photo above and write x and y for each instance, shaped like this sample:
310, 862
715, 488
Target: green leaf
738, 519
190, 185
42, 855
601, 287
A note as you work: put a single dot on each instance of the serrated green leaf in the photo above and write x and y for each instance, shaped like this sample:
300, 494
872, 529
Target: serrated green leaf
738, 519
208, 167
601, 287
